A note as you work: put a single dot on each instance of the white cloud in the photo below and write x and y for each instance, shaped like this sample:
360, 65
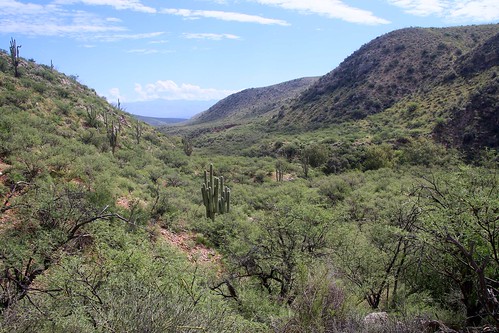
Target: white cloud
452, 10
51, 27
330, 8
421, 7
114, 94
119, 37
134, 5
170, 90
36, 20
12, 7
224, 16
209, 36
113, 19
50, 20
158, 41
482, 11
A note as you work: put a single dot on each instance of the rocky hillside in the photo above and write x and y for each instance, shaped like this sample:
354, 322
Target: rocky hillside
438, 82
392, 67
254, 102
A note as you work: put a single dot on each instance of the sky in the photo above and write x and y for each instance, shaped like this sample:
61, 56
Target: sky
205, 50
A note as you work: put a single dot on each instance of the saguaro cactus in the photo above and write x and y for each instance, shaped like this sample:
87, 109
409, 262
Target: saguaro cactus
14, 55
279, 170
216, 196
112, 135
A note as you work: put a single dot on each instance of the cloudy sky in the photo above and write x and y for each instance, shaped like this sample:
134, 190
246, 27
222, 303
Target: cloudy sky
143, 50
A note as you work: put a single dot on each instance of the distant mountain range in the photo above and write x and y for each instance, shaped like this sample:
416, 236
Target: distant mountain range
158, 122
181, 109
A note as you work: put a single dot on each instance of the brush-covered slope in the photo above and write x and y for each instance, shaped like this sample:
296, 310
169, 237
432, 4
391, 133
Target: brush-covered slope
439, 82
253, 102
51, 125
387, 69
86, 193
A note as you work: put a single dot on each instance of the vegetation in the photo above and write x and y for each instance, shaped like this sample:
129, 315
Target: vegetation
103, 228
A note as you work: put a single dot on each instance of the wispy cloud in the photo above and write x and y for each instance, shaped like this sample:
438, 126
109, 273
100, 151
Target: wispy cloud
55, 19
480, 11
51, 20
158, 41
119, 37
224, 16
421, 7
210, 36
452, 10
134, 5
330, 8
170, 90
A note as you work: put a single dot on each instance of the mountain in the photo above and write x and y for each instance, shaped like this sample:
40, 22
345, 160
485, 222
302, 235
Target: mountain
168, 108
157, 122
254, 102
86, 192
388, 69
439, 82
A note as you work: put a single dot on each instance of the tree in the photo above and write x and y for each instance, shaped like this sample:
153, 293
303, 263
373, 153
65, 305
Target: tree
55, 218
462, 225
187, 145
375, 253
314, 155
280, 168
290, 233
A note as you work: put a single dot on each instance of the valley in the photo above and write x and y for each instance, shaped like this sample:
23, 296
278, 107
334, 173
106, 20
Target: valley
373, 188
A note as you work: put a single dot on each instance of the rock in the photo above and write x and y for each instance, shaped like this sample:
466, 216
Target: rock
376, 318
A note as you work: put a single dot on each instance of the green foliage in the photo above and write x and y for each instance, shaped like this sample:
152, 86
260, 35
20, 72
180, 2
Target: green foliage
377, 157
100, 242
424, 152
461, 223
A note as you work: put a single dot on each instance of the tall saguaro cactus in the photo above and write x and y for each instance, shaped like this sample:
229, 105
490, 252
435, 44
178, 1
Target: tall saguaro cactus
14, 55
216, 196
112, 134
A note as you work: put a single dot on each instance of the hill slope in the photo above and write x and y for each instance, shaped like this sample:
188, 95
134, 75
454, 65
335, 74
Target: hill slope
439, 82
253, 102
386, 70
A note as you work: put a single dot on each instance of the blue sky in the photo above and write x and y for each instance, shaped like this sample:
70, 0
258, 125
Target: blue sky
143, 50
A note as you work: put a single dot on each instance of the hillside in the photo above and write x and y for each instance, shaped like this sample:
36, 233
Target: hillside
107, 225
87, 194
433, 82
253, 102
388, 69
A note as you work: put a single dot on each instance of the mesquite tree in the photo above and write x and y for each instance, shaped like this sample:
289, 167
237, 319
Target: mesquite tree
462, 226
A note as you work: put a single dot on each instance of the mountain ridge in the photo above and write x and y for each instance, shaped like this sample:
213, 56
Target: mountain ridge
385, 70
253, 102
